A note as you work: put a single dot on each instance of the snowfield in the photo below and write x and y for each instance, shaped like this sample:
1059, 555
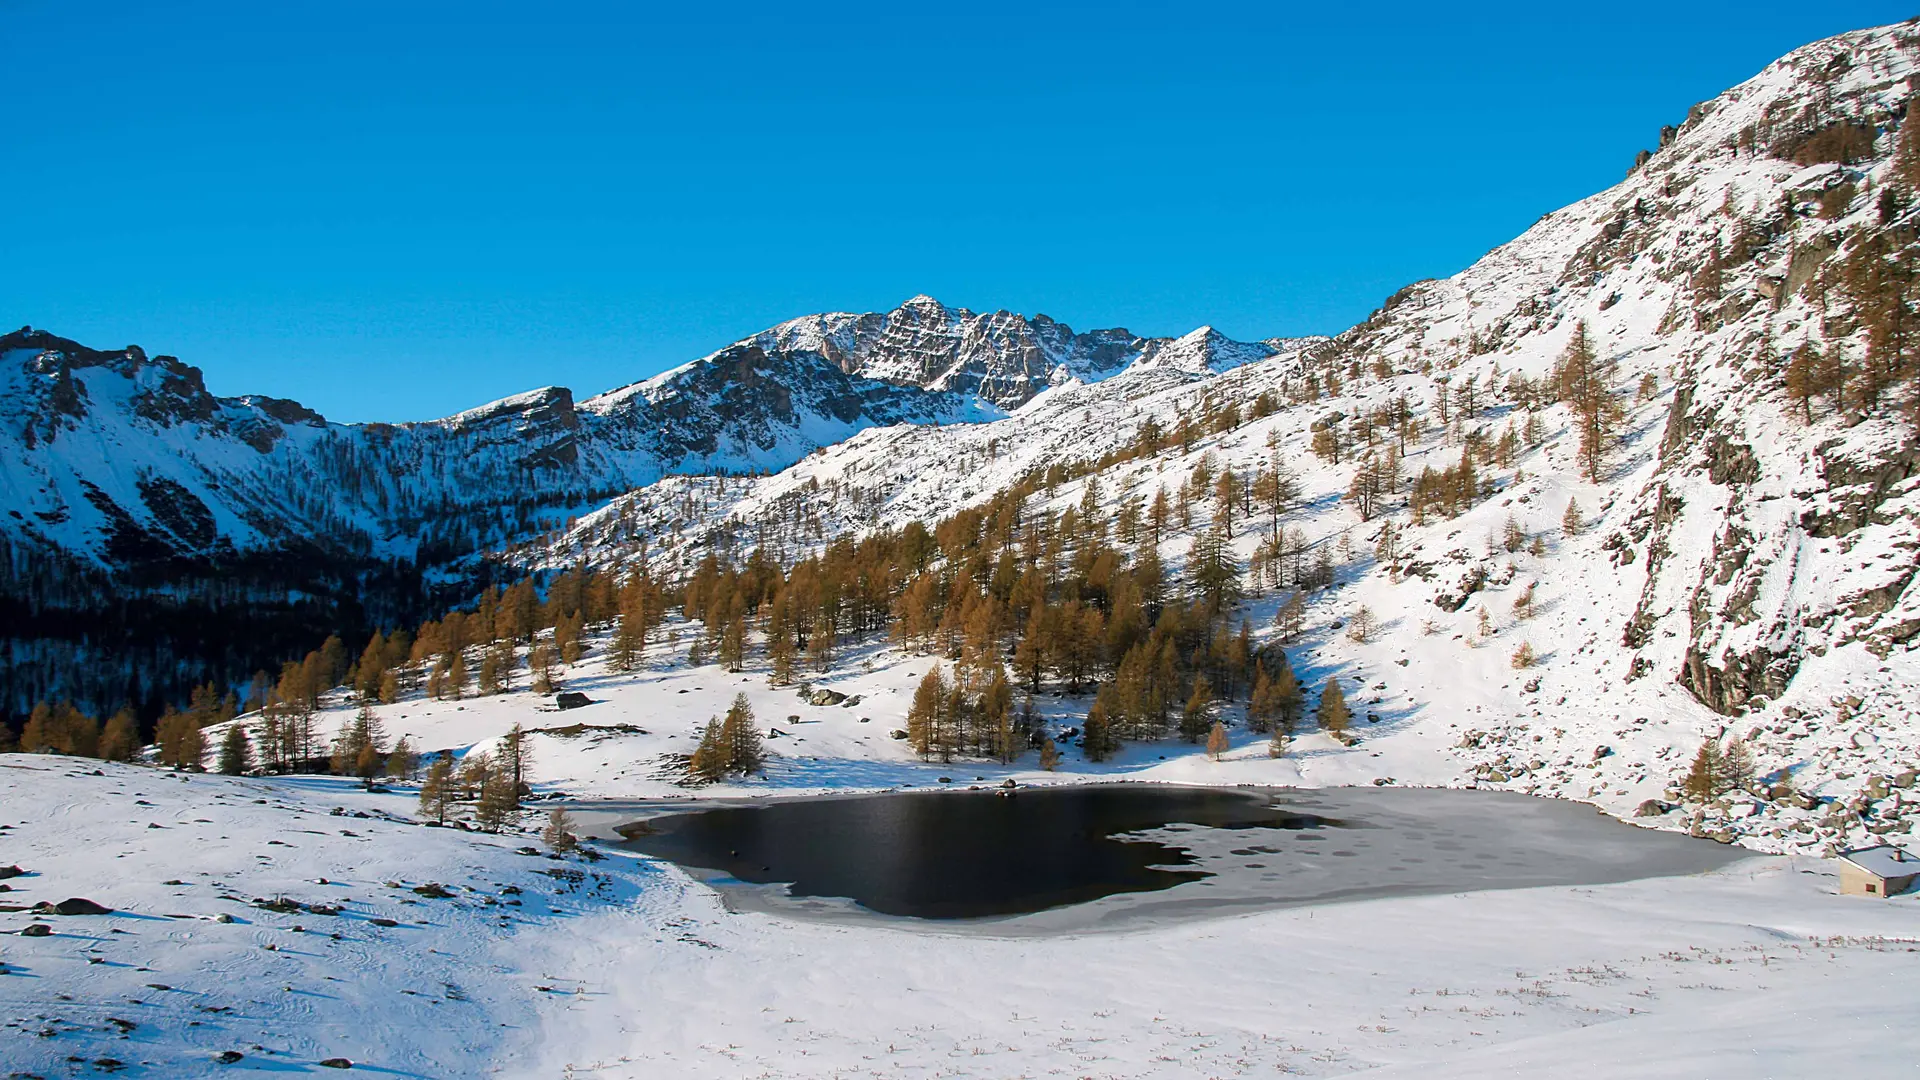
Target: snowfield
522, 965
1742, 568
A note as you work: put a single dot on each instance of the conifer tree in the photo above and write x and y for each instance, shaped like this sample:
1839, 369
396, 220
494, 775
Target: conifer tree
1099, 742
559, 834
1217, 742
1736, 765
1803, 379
236, 753
709, 763
121, 738
1332, 714
1277, 742
1585, 384
1198, 712
183, 745
1049, 755
400, 763
743, 747
923, 716
1703, 780
515, 756
1261, 708
497, 802
1573, 520
436, 791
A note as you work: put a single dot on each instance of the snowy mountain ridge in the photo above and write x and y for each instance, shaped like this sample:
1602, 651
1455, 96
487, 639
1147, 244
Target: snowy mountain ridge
119, 470
1742, 562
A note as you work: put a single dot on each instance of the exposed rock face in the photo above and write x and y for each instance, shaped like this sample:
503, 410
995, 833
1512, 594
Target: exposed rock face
128, 478
1000, 357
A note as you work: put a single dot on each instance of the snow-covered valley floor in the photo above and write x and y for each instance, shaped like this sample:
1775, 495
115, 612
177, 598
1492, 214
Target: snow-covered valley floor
624, 967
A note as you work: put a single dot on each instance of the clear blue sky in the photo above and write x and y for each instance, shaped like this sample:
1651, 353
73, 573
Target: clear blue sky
397, 210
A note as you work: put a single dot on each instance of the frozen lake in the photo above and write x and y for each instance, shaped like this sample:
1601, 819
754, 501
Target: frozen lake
1080, 857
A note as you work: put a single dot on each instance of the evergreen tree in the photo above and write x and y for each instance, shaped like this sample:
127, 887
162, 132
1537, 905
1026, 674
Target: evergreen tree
1573, 520
236, 753
1332, 714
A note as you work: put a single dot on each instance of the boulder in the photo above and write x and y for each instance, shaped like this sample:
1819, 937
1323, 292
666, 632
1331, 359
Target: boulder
78, 905
38, 929
824, 696
10, 871
571, 699
1651, 808
336, 1063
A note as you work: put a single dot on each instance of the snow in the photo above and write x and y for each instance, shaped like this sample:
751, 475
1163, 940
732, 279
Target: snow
1679, 564
1887, 861
639, 972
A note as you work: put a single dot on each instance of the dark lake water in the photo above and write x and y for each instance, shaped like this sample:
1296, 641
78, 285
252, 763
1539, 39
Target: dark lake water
975, 855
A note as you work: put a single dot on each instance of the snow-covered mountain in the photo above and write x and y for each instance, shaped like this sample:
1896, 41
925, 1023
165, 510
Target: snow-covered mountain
1742, 561
122, 475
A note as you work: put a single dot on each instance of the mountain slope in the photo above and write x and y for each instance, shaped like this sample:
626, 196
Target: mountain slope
1739, 552
255, 518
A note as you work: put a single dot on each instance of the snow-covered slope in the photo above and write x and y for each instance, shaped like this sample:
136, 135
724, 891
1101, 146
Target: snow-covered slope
121, 475
1737, 566
267, 926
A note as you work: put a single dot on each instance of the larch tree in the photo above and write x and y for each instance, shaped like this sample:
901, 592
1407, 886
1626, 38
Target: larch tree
436, 791
709, 763
1198, 714
1585, 381
120, 740
1217, 742
559, 834
738, 730
1332, 714
923, 716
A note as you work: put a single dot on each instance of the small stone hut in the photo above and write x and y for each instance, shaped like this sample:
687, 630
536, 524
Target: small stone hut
1878, 871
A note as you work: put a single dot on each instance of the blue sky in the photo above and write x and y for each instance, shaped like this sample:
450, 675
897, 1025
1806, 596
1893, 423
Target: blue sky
395, 211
